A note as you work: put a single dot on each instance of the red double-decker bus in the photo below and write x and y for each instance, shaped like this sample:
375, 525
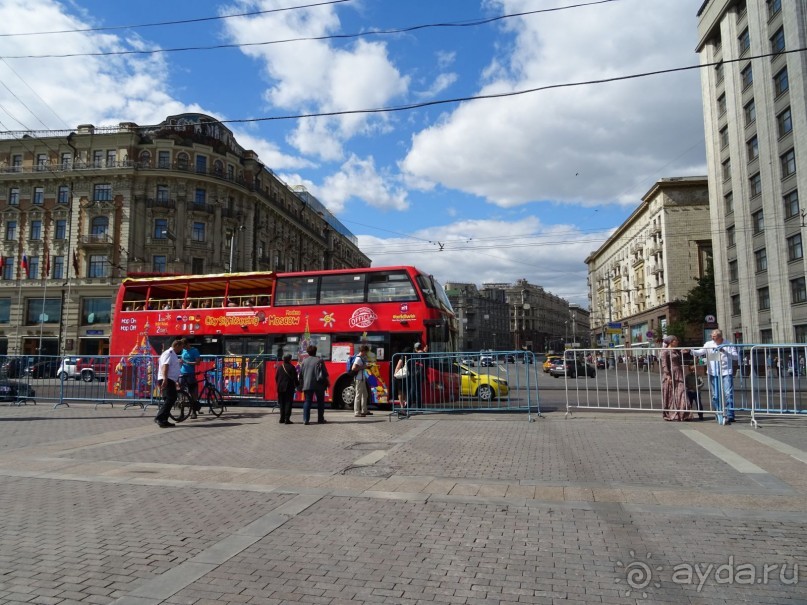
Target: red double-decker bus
250, 320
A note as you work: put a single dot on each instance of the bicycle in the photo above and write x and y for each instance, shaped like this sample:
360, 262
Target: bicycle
209, 394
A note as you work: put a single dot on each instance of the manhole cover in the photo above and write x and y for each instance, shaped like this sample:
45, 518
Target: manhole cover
369, 471
369, 446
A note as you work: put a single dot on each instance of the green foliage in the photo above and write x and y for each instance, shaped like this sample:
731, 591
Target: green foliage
700, 301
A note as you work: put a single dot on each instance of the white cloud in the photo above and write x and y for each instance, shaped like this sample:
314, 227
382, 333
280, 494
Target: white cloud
480, 251
441, 83
359, 179
589, 144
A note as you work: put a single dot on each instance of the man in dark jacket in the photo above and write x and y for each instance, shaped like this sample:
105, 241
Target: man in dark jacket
286, 381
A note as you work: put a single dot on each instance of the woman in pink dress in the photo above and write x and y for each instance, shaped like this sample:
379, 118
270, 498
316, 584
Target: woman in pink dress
674, 398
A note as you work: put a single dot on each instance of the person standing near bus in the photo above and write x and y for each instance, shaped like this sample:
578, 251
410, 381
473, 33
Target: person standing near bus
314, 377
286, 381
187, 374
360, 382
167, 378
416, 376
720, 357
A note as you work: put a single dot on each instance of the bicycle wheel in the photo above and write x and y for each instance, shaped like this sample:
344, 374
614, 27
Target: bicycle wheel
181, 408
214, 402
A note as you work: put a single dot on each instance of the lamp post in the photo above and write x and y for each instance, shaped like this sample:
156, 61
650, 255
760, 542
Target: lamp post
232, 246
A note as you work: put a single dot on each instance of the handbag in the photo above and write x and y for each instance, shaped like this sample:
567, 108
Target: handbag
401, 373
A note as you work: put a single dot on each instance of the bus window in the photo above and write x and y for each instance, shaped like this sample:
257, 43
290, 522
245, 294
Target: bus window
390, 287
341, 289
296, 291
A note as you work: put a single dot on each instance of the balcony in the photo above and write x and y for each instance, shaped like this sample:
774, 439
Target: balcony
167, 204
95, 240
204, 208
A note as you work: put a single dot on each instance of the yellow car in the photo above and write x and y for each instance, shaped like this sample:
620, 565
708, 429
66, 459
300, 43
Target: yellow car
548, 362
484, 386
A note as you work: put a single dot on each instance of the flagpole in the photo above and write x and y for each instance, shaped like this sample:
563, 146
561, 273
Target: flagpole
23, 267
44, 297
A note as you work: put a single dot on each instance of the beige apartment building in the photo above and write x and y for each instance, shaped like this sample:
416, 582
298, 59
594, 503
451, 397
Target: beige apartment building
81, 210
755, 111
651, 261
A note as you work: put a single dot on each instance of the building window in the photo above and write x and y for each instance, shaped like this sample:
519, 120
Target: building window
200, 198
39, 196
99, 226
8, 267
102, 192
182, 161
160, 228
727, 169
755, 185
111, 158
791, 201
730, 240
11, 230
719, 73
98, 266
67, 160
798, 291
752, 146
43, 310
761, 260
158, 263
41, 161
758, 222
218, 168
733, 272
14, 196
778, 41
766, 337
145, 159
36, 230
197, 266
724, 137
735, 304
728, 202
60, 228
788, 160
58, 267
780, 82
64, 194
163, 194
201, 164
784, 121
794, 248
747, 76
198, 232
721, 104
95, 311
230, 172
97, 158
764, 299
774, 6
744, 40
33, 267
750, 112
163, 159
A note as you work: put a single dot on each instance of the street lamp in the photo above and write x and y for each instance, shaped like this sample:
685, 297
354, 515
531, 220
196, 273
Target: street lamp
232, 245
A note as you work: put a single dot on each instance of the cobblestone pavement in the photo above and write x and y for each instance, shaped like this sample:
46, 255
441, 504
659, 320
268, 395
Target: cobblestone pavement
101, 506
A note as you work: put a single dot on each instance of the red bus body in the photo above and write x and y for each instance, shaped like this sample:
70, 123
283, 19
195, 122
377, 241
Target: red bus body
252, 319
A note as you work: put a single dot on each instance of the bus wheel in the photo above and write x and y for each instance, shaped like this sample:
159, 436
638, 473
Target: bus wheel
343, 395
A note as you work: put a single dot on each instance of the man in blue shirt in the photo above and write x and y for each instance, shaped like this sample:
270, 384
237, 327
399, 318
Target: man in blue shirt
187, 374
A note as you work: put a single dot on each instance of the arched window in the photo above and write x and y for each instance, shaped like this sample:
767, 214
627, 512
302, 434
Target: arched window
182, 161
99, 227
218, 168
145, 158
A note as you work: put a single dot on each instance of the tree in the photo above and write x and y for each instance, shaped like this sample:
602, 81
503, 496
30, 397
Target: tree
701, 300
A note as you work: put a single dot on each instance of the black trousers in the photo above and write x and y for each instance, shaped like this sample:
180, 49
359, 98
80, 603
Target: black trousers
169, 392
284, 399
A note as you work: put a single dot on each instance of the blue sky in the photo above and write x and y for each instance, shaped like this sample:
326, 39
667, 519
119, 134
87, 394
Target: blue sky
520, 186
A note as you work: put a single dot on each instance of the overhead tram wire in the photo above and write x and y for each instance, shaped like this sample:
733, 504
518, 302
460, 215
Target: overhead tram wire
383, 32
178, 22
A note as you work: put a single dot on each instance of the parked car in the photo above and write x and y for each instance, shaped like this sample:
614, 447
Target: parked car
43, 369
11, 390
572, 368
600, 363
487, 362
483, 386
14, 367
549, 360
85, 368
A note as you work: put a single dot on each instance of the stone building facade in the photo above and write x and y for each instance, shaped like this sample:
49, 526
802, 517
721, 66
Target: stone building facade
80, 212
651, 261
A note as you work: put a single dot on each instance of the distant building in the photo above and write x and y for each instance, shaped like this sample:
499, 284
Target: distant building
755, 113
483, 317
93, 205
651, 261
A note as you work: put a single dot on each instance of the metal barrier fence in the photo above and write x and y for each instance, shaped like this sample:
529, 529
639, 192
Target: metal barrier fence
461, 382
765, 380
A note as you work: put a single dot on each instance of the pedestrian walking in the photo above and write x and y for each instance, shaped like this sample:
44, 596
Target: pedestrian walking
167, 378
286, 381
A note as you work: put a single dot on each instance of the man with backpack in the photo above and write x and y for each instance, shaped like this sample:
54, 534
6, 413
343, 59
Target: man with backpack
314, 378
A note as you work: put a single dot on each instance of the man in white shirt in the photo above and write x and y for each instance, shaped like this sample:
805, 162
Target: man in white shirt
360, 382
167, 378
720, 357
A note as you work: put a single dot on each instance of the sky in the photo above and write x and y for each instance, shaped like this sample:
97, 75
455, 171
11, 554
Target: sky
497, 157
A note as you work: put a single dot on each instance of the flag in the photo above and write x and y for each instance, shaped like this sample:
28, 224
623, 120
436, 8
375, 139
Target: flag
75, 263
24, 265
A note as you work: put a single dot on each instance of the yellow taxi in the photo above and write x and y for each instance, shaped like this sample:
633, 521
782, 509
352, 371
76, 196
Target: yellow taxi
548, 362
484, 386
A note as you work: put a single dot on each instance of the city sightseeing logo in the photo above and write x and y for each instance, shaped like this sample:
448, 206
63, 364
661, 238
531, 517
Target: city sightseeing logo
363, 317
642, 576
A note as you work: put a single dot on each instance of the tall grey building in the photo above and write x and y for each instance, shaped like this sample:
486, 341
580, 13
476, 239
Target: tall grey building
755, 113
